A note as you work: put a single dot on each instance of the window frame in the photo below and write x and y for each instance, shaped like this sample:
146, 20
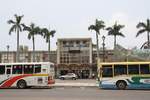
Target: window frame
132, 66
39, 65
4, 70
110, 67
20, 71
148, 69
120, 66
24, 70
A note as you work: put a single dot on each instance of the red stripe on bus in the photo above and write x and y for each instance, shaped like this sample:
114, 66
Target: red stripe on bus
10, 81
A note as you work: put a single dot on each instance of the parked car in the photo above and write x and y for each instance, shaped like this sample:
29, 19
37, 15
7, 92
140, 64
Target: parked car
72, 76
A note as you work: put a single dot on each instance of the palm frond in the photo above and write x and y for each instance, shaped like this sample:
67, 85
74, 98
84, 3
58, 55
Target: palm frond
100, 24
10, 22
148, 23
92, 27
120, 34
44, 31
52, 33
38, 31
121, 26
47, 33
26, 28
22, 25
140, 32
32, 25
18, 18
95, 28
111, 32
141, 25
115, 30
12, 29
109, 28
29, 35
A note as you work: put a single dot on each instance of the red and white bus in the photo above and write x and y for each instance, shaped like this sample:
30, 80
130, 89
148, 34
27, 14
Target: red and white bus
23, 75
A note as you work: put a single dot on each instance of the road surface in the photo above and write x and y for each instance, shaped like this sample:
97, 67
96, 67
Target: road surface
73, 93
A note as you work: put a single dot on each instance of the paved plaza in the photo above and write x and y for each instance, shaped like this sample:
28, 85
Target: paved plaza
78, 82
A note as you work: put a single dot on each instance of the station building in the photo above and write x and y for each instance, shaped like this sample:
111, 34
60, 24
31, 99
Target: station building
77, 55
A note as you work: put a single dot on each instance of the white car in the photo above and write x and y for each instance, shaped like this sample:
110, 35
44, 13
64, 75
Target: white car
72, 76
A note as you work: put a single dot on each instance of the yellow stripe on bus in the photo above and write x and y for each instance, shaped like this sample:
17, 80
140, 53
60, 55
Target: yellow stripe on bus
40, 74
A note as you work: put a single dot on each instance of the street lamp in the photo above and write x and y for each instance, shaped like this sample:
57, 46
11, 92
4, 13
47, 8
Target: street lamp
7, 52
103, 38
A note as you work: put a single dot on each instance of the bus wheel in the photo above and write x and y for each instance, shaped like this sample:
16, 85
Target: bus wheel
21, 84
121, 85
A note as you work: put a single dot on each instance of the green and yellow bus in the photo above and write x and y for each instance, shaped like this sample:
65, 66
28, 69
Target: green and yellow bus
124, 75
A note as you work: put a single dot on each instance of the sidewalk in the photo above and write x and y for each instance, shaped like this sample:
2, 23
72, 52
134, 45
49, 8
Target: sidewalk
76, 83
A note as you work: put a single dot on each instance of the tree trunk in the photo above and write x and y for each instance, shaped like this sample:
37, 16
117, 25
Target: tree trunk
17, 55
33, 49
115, 55
148, 40
49, 50
97, 43
114, 42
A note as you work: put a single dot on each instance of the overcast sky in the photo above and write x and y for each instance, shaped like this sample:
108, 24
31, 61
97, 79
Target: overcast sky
71, 18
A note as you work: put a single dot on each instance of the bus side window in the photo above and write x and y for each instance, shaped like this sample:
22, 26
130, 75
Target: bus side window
17, 69
144, 69
52, 68
43, 70
28, 69
107, 71
133, 69
37, 68
120, 70
2, 69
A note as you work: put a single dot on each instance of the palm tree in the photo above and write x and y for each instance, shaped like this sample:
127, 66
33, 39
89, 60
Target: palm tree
97, 27
115, 31
47, 35
16, 27
144, 27
32, 31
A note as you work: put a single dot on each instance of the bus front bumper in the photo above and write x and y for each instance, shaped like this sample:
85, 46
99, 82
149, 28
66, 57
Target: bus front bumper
51, 82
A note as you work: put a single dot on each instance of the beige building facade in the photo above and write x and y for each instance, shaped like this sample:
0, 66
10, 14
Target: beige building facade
27, 56
74, 55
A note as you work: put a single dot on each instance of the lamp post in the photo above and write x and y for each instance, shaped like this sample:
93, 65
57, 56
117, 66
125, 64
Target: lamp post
103, 38
7, 52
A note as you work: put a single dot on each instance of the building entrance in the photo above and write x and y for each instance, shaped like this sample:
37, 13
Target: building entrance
82, 74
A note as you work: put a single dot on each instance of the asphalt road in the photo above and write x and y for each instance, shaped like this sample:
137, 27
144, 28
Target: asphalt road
73, 93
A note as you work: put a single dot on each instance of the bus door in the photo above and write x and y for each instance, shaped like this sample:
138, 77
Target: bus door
3, 75
41, 69
8, 71
45, 69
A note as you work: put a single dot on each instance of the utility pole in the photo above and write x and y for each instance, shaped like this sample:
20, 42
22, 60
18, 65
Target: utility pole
7, 52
